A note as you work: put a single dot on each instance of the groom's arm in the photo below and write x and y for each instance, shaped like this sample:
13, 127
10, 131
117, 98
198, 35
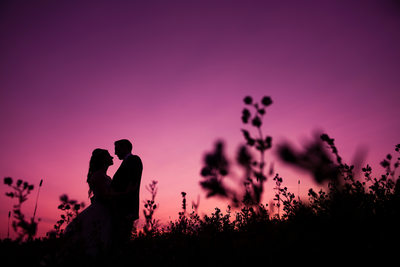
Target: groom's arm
135, 168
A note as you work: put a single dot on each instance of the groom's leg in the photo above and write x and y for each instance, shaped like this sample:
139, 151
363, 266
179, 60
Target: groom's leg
122, 229
126, 228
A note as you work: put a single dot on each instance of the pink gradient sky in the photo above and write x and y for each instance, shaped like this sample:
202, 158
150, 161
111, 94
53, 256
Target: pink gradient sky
171, 77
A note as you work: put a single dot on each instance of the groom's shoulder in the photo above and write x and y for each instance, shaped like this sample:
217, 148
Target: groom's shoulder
133, 156
134, 159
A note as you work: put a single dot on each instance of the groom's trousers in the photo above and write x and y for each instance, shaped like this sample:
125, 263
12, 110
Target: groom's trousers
122, 228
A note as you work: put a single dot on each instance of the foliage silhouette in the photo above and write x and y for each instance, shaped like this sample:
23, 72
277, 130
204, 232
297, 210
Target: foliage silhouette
315, 159
217, 165
21, 190
149, 208
70, 208
215, 170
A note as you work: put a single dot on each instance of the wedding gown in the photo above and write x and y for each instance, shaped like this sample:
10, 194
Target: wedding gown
91, 229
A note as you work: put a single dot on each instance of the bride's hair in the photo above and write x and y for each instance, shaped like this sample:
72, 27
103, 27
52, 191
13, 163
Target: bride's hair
96, 162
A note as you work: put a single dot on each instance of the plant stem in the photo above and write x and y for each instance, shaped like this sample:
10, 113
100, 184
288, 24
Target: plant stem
298, 190
37, 198
8, 230
262, 151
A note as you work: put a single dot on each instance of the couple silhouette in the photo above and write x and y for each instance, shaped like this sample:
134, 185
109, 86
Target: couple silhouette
107, 223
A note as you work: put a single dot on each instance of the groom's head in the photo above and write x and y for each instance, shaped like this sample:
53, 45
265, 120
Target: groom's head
123, 147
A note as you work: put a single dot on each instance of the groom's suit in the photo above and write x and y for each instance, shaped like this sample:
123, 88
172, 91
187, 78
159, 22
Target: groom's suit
128, 175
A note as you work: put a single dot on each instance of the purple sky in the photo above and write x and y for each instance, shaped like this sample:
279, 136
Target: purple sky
171, 76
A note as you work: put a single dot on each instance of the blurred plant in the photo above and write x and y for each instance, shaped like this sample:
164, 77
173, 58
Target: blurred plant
37, 198
217, 165
215, 170
8, 225
151, 225
254, 170
21, 190
195, 205
387, 163
352, 199
344, 170
70, 208
314, 158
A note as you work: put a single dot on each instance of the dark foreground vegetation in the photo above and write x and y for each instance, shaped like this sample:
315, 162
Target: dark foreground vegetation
354, 220
354, 223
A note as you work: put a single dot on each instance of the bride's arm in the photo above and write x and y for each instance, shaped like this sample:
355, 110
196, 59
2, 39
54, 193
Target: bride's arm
111, 194
100, 187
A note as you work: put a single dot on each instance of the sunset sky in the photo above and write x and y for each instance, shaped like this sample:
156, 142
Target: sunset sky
171, 77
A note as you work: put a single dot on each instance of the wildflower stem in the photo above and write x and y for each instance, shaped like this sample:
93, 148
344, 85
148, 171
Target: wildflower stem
37, 198
8, 228
298, 190
262, 151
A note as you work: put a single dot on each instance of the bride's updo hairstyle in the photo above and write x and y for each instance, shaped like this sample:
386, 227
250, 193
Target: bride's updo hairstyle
97, 161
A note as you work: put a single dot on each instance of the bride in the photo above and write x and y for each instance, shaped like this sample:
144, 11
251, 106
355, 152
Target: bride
91, 230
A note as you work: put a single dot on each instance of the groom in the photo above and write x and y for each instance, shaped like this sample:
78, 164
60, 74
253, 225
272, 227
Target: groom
126, 183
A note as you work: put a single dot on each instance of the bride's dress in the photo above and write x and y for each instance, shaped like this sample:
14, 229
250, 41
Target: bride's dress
91, 229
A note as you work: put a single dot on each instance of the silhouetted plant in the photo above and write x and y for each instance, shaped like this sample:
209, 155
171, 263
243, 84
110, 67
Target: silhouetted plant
255, 175
215, 170
387, 163
21, 190
150, 206
278, 181
183, 202
351, 199
195, 205
345, 170
37, 199
186, 224
217, 165
217, 222
181, 226
8, 225
70, 208
315, 159
251, 217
